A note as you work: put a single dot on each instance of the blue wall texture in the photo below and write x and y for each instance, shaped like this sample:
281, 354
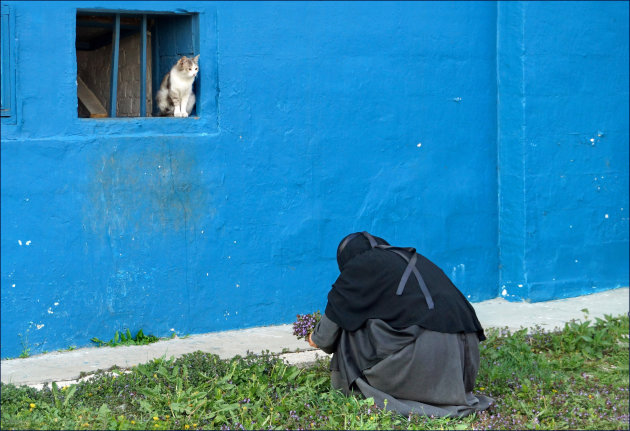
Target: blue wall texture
493, 137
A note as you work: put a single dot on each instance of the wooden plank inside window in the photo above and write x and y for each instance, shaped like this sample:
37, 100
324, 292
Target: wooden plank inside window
89, 100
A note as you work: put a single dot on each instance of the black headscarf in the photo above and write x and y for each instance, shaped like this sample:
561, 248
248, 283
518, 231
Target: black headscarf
396, 285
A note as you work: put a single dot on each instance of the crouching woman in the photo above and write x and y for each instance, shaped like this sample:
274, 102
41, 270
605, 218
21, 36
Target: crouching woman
400, 331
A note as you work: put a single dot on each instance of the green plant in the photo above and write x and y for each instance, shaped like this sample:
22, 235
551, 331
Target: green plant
26, 350
125, 339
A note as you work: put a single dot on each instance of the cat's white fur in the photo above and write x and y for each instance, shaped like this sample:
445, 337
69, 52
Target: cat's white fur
175, 96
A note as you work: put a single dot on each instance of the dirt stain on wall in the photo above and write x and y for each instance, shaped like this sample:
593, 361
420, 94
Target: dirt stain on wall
140, 188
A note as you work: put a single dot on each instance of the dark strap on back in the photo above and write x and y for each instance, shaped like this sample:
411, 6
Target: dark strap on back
403, 281
411, 267
411, 264
345, 242
370, 238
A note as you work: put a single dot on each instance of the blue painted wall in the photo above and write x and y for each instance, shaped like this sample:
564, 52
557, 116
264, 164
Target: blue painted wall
563, 147
460, 128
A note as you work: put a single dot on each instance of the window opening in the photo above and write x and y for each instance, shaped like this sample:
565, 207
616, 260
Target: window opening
122, 58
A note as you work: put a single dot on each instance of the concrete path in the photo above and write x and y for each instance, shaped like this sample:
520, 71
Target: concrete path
65, 367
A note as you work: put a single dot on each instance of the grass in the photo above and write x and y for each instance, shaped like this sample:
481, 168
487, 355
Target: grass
576, 378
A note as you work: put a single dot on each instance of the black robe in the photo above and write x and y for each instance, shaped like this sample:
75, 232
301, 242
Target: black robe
372, 285
401, 331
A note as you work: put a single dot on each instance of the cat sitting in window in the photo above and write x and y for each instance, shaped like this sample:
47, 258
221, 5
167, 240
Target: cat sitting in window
175, 97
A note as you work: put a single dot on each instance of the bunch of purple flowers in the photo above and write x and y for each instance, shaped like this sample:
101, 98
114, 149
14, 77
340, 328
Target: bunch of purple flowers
305, 324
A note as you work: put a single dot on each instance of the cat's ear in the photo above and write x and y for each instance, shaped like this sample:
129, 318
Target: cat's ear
196, 59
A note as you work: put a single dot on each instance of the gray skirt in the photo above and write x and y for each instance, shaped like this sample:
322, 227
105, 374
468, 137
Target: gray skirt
413, 370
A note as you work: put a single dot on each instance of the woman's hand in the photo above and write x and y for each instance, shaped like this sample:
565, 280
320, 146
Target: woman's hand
310, 341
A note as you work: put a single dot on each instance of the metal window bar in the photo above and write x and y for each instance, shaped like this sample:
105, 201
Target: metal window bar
5, 65
113, 87
155, 65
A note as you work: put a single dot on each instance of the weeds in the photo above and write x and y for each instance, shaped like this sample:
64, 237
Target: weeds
125, 339
576, 378
26, 350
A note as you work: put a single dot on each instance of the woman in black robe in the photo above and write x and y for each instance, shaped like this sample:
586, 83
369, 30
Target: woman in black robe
400, 331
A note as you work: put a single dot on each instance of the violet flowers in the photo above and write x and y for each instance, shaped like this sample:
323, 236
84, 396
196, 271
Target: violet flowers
305, 324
